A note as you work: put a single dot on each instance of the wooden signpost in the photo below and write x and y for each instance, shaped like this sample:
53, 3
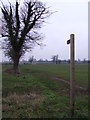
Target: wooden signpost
72, 74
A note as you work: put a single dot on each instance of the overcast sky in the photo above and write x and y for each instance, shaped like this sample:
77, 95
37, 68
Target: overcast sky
71, 17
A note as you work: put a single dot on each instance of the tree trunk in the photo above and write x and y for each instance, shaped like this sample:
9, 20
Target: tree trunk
16, 64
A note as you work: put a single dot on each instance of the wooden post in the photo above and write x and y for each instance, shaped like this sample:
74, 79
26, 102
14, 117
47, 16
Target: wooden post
72, 78
72, 74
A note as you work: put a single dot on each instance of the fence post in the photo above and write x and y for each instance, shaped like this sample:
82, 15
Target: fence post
72, 74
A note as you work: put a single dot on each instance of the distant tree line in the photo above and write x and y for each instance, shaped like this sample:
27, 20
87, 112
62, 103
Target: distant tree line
54, 60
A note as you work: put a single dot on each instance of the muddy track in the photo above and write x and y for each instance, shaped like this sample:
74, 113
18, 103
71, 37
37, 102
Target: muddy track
67, 82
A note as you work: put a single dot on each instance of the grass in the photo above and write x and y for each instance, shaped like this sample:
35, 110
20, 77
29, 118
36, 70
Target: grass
63, 71
35, 94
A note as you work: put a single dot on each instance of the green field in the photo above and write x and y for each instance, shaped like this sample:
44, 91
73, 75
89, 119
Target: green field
35, 93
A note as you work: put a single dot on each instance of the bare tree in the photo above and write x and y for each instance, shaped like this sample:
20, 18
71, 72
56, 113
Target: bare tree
20, 26
31, 59
55, 59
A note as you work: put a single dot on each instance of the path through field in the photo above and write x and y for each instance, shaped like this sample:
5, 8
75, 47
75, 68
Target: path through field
67, 82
